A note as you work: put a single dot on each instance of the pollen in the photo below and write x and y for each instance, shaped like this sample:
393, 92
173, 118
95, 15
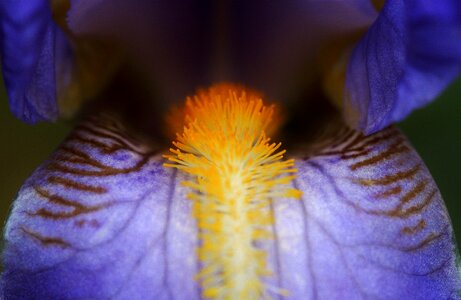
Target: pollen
236, 171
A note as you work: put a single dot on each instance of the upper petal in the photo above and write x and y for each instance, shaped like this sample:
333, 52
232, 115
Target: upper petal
272, 46
407, 57
169, 42
30, 46
276, 45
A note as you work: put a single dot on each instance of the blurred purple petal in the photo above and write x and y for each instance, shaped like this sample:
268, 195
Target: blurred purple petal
276, 45
104, 219
406, 59
272, 46
30, 46
168, 41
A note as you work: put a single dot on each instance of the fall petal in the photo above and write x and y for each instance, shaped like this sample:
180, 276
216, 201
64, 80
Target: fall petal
104, 219
371, 224
101, 219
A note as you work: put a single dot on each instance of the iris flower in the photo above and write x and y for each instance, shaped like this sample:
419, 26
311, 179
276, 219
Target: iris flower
348, 212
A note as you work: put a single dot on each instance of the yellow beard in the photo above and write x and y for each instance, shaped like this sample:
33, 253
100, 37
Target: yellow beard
236, 172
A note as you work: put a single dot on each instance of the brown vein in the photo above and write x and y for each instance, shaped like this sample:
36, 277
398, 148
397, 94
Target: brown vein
48, 214
389, 192
375, 139
430, 238
371, 139
122, 134
360, 137
106, 149
82, 161
409, 230
76, 185
82, 158
356, 155
389, 179
363, 149
399, 212
419, 207
75, 152
117, 138
394, 149
77, 208
45, 240
54, 198
63, 201
343, 138
418, 189
106, 171
94, 130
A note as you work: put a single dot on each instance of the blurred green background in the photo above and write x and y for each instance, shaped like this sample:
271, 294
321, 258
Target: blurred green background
435, 131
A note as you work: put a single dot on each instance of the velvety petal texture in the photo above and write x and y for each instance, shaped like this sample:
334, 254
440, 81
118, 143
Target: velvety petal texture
104, 219
169, 42
277, 46
405, 60
31, 44
270, 46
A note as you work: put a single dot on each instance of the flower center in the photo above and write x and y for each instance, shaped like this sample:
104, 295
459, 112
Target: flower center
236, 172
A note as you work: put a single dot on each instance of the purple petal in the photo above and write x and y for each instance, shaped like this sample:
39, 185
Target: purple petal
30, 45
184, 45
101, 219
170, 42
371, 225
104, 219
277, 44
408, 56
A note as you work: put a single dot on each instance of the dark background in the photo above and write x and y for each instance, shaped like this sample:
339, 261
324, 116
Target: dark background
435, 131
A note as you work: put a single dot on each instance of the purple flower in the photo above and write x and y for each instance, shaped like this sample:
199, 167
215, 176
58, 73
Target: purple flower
29, 53
408, 56
103, 218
